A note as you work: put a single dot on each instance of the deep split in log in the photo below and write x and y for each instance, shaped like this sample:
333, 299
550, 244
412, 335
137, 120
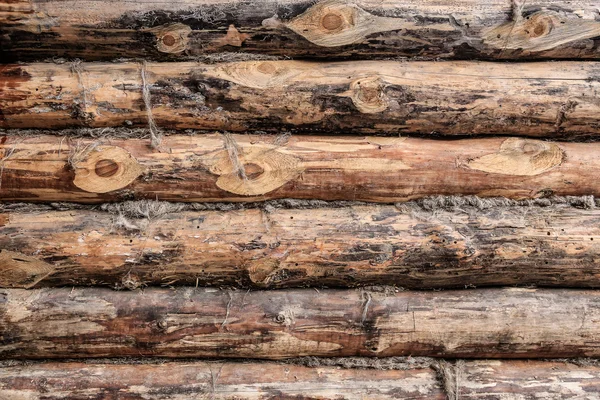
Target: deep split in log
555, 246
189, 322
456, 98
167, 30
217, 380
481, 380
208, 168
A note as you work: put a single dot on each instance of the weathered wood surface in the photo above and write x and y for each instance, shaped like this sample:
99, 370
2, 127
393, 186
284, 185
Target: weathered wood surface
196, 322
213, 380
167, 30
527, 380
456, 98
241, 168
481, 379
557, 246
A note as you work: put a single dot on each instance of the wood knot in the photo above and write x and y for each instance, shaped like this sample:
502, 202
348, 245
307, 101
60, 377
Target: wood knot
266, 169
522, 157
334, 23
368, 96
260, 74
22, 271
162, 324
104, 169
540, 31
538, 25
168, 40
171, 38
253, 171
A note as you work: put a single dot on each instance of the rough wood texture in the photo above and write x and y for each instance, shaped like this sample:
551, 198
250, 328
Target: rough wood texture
454, 98
527, 380
224, 380
92, 322
167, 30
214, 380
241, 168
360, 245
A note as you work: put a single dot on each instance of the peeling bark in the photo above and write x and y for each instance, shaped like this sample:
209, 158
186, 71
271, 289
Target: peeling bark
557, 246
455, 98
241, 168
163, 30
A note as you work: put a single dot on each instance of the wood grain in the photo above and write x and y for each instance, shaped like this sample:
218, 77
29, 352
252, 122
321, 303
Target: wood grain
130, 380
383, 97
553, 246
214, 380
189, 322
243, 168
163, 30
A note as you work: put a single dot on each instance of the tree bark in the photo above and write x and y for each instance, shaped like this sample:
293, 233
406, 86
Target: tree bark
493, 323
556, 246
453, 98
242, 168
163, 30
214, 380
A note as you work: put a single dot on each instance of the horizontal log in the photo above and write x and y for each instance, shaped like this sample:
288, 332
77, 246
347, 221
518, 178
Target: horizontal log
481, 379
454, 98
214, 380
239, 168
488, 380
556, 246
163, 30
188, 322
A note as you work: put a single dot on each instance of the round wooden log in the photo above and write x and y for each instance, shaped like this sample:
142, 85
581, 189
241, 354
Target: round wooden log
93, 322
214, 380
168, 30
489, 380
241, 168
451, 98
131, 380
277, 248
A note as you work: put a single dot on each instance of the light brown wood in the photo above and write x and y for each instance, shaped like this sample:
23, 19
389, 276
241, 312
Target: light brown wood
387, 97
213, 380
492, 380
240, 168
167, 30
196, 322
555, 246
